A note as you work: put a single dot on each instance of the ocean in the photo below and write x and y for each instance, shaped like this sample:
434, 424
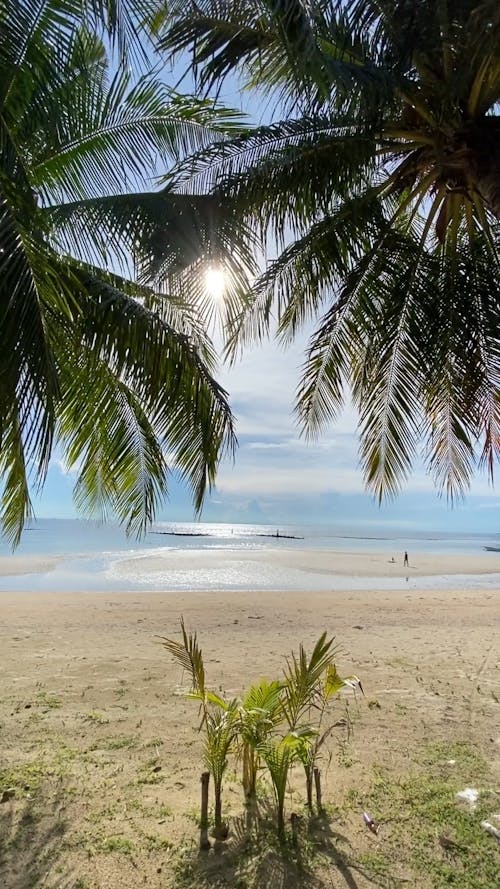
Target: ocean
204, 556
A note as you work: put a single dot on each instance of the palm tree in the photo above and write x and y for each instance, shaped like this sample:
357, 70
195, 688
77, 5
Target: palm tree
219, 717
113, 372
379, 178
260, 712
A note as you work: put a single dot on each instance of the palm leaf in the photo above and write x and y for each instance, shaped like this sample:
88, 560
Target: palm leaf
303, 676
290, 48
220, 734
188, 654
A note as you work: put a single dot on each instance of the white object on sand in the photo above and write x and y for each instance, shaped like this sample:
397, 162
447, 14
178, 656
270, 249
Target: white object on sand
489, 828
468, 795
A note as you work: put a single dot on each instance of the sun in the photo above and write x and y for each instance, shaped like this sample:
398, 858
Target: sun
215, 283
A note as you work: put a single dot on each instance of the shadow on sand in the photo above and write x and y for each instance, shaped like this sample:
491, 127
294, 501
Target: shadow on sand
31, 832
253, 856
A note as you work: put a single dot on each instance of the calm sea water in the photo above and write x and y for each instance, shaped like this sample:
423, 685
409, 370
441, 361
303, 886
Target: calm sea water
220, 556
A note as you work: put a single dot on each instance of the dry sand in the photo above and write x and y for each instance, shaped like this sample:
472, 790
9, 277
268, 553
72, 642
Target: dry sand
103, 751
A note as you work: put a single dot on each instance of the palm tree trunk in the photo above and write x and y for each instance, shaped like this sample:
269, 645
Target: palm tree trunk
280, 819
253, 774
221, 829
317, 781
218, 807
247, 771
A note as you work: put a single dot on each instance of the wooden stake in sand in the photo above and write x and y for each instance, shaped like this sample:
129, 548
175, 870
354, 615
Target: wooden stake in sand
317, 782
204, 841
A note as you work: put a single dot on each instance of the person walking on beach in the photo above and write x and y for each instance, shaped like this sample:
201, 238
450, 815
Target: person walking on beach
405, 560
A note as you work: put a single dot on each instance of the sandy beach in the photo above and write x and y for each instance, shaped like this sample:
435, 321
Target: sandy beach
101, 749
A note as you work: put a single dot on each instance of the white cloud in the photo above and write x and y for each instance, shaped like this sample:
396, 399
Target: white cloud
63, 467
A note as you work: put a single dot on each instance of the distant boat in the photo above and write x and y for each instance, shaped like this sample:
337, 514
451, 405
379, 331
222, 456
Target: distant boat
492, 549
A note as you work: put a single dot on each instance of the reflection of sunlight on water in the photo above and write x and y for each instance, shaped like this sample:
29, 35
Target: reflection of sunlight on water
243, 575
235, 575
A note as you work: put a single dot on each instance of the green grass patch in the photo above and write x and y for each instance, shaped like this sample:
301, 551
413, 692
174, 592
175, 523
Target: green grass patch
120, 844
44, 699
423, 826
106, 814
165, 811
96, 717
150, 772
153, 843
26, 776
115, 742
377, 863
469, 763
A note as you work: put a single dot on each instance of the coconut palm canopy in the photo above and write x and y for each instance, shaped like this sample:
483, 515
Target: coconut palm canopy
116, 373
379, 177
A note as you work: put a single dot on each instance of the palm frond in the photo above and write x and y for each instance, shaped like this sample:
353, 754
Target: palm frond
30, 385
122, 470
134, 130
264, 695
16, 506
187, 407
303, 676
387, 378
460, 397
221, 731
131, 25
172, 239
298, 51
189, 655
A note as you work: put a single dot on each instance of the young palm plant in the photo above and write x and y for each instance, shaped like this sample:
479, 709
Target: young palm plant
309, 754
303, 679
379, 177
279, 755
219, 717
260, 712
311, 683
221, 729
275, 724
113, 373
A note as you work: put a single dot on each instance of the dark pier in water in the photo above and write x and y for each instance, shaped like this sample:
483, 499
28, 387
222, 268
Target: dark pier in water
276, 536
182, 533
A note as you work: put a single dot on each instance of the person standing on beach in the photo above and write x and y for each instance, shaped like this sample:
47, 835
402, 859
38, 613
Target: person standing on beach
405, 560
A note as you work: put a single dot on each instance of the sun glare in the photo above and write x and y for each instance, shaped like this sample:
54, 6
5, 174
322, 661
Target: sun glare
215, 283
